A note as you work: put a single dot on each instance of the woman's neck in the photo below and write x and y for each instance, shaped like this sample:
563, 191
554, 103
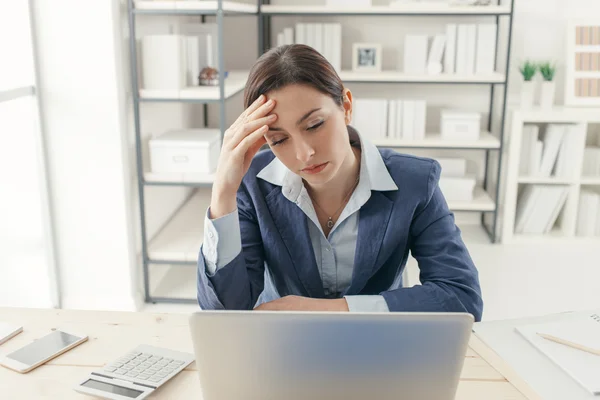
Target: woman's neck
337, 189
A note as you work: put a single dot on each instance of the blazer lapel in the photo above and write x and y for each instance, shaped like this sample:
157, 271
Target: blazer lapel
291, 222
373, 220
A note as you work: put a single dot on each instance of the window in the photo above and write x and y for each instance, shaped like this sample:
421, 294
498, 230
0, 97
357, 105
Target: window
26, 252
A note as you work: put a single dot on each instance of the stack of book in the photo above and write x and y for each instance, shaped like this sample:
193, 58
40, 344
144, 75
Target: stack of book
325, 38
591, 161
463, 49
172, 62
551, 154
588, 218
455, 183
538, 208
392, 119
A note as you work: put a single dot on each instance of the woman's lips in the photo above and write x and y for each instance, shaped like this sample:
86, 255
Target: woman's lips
316, 169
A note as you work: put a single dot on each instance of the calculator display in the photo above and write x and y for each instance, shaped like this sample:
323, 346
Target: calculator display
107, 387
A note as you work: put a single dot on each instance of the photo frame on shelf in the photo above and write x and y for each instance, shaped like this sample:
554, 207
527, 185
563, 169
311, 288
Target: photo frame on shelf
366, 57
582, 76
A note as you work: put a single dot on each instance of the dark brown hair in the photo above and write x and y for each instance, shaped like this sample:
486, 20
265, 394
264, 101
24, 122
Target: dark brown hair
293, 64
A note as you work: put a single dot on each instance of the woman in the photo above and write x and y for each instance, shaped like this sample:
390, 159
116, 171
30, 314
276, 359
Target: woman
324, 221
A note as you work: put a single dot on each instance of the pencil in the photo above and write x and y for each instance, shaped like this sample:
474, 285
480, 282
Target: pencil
570, 344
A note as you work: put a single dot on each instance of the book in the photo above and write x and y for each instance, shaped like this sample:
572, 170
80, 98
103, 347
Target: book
486, 48
450, 54
288, 34
552, 140
434, 62
471, 48
300, 33
581, 366
528, 140
461, 49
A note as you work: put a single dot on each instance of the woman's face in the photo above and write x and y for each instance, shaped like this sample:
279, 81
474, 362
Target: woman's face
309, 136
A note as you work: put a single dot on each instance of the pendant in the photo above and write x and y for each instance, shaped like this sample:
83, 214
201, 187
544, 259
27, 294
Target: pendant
330, 223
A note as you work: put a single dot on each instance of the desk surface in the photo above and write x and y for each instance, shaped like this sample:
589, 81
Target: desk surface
111, 334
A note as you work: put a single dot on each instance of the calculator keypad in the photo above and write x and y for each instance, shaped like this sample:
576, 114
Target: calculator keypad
144, 366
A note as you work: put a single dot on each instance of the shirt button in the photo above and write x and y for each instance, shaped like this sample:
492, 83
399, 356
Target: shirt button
327, 249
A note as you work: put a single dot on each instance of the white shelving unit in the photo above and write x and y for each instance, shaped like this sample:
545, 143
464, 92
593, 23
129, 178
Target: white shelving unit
567, 228
405, 9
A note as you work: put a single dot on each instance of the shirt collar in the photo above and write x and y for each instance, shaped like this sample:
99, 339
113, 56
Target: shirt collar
373, 172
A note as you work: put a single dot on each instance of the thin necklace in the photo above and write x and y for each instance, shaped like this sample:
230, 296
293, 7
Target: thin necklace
330, 218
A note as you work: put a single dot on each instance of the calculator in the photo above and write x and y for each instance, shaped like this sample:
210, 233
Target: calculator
136, 374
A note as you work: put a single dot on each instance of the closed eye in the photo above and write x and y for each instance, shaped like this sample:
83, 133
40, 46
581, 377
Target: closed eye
278, 142
312, 128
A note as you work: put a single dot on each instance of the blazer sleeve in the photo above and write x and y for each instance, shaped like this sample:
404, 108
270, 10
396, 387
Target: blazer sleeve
449, 279
237, 284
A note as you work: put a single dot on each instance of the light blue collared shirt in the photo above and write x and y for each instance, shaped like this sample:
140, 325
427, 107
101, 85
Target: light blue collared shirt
334, 254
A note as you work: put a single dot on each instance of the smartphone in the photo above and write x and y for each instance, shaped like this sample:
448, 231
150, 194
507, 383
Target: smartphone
8, 331
42, 350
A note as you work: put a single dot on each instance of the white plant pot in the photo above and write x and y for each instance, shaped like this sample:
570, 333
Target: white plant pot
527, 94
547, 94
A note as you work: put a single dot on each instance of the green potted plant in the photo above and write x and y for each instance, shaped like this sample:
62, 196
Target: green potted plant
548, 70
528, 70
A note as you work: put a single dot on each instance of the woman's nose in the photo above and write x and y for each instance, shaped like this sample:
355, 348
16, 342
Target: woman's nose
304, 152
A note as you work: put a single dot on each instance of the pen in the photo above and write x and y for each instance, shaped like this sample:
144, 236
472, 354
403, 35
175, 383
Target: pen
570, 344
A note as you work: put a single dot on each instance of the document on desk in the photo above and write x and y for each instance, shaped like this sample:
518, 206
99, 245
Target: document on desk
583, 367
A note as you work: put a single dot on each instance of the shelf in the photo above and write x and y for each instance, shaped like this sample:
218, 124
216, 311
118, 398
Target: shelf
180, 240
234, 83
435, 141
173, 282
400, 77
587, 48
559, 114
171, 179
192, 7
182, 236
481, 202
590, 180
551, 180
404, 9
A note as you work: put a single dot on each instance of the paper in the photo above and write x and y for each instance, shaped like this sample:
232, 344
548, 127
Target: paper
581, 366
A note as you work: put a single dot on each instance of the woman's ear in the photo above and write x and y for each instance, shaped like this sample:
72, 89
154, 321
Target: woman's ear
347, 105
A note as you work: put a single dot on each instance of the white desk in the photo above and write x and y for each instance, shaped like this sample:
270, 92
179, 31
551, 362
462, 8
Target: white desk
544, 377
112, 334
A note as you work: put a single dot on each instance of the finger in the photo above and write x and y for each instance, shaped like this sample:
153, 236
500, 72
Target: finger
249, 127
262, 110
255, 105
247, 142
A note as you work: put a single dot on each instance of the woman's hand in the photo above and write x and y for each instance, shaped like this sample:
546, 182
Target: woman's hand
241, 142
298, 303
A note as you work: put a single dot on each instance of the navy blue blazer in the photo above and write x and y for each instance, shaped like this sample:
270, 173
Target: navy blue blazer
413, 218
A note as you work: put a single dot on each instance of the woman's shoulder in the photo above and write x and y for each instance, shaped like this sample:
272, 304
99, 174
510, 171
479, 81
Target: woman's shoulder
403, 164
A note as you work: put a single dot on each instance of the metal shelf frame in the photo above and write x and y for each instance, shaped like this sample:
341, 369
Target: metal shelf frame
264, 43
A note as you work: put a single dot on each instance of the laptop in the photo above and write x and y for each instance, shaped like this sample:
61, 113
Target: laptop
262, 355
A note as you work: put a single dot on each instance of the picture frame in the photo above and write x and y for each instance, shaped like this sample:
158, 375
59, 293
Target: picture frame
367, 57
582, 72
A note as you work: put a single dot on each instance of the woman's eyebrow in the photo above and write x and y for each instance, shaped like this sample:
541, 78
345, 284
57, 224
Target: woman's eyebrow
274, 128
307, 115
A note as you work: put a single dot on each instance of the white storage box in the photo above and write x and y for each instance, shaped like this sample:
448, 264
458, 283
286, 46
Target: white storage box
453, 166
186, 151
460, 125
457, 188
